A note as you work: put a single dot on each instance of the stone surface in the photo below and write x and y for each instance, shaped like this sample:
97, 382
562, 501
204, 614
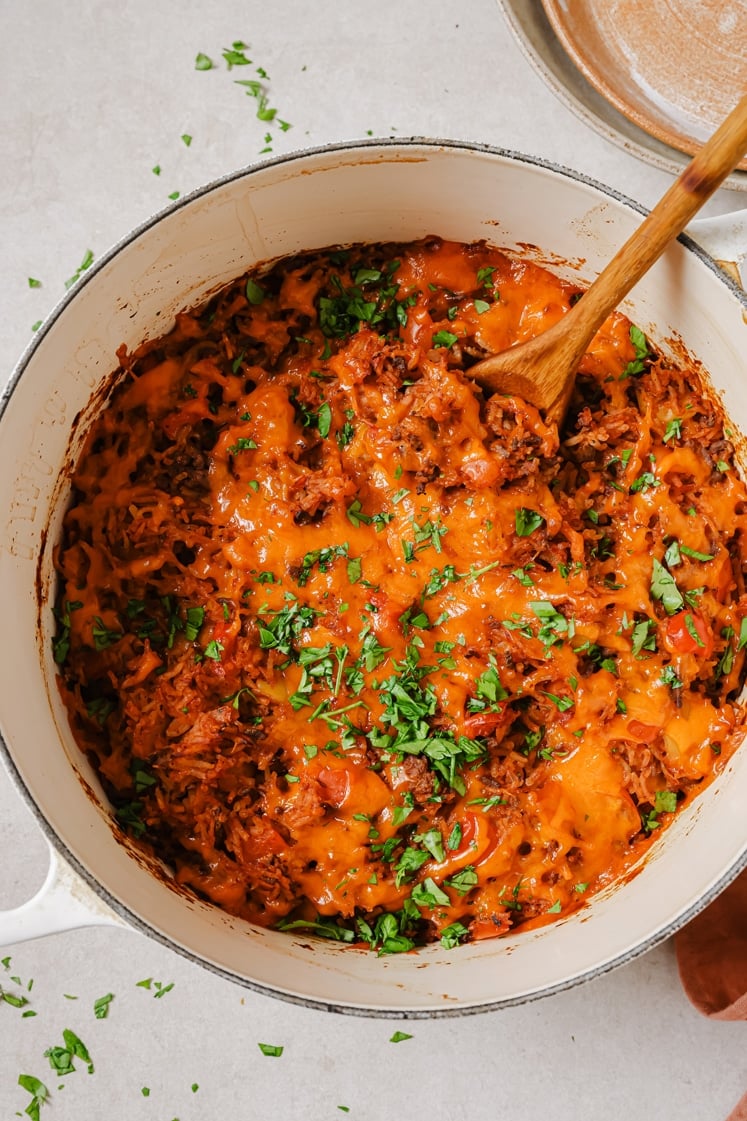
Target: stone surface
93, 96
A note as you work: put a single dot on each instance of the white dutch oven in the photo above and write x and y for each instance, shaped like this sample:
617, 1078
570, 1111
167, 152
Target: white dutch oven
367, 192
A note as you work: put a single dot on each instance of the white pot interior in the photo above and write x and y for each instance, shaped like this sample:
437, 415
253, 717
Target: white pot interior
373, 192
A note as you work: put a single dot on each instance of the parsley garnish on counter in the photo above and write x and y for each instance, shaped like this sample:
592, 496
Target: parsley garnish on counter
158, 987
101, 1006
84, 264
13, 999
272, 1050
61, 1058
256, 88
39, 1094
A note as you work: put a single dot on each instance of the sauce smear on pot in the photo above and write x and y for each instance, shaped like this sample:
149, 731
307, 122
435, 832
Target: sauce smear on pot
361, 652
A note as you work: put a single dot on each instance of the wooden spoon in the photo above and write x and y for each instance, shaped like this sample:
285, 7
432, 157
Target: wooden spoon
543, 369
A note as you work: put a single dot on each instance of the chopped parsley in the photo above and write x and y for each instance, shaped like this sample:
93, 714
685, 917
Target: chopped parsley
128, 816
103, 637
444, 339
255, 294
429, 894
408, 864
101, 1006
344, 435
642, 354
355, 514
453, 934
644, 482
13, 999
665, 801
562, 704
462, 882
439, 579
321, 559
272, 1050
371, 299
670, 677
61, 1058
61, 643
664, 588
235, 56
243, 444
280, 631
84, 264
324, 419
488, 690
39, 1094
429, 533
644, 636
553, 624
409, 705
527, 521
673, 430
213, 650
695, 555
387, 936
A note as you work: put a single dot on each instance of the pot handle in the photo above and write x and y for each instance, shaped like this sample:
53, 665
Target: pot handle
724, 237
63, 902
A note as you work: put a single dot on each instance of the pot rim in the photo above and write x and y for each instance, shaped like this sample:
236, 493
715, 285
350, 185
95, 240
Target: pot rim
326, 149
54, 840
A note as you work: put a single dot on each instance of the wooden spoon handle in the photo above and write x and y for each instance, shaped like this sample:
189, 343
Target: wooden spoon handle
706, 171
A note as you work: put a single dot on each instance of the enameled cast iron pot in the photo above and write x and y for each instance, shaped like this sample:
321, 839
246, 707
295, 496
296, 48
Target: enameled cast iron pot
374, 191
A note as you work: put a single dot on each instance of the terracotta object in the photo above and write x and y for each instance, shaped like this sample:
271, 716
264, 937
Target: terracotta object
535, 38
712, 960
673, 67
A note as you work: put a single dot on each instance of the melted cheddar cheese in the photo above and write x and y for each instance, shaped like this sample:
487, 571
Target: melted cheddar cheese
360, 651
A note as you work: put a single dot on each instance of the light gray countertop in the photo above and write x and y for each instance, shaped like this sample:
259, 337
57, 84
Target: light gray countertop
92, 97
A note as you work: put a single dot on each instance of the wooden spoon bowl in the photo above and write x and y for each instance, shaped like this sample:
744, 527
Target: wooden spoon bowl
543, 370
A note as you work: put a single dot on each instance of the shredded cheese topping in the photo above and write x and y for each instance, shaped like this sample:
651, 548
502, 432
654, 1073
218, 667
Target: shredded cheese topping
363, 653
